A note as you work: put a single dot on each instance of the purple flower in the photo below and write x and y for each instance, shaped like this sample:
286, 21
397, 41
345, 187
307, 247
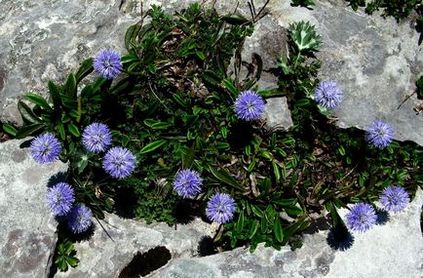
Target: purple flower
380, 134
60, 198
119, 162
187, 183
221, 208
79, 218
394, 198
249, 106
361, 217
97, 137
108, 64
45, 148
328, 94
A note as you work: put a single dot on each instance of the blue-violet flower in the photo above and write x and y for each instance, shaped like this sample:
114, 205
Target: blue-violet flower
221, 208
79, 218
361, 217
45, 148
60, 198
119, 162
249, 106
380, 134
97, 137
187, 183
328, 94
108, 64
394, 198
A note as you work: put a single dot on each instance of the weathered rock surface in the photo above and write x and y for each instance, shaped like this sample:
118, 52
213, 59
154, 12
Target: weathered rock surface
393, 250
277, 114
110, 249
27, 228
375, 60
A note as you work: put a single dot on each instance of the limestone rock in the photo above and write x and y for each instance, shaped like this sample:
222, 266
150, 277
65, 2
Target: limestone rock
376, 61
111, 249
392, 250
27, 228
278, 115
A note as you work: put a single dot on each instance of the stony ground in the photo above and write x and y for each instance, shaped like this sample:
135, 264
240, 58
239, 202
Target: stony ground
375, 60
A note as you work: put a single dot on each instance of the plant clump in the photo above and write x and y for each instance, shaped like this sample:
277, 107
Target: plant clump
170, 123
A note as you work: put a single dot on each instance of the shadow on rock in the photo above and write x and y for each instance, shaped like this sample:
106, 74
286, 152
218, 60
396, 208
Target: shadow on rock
206, 246
144, 263
65, 232
382, 216
186, 210
339, 238
55, 179
126, 201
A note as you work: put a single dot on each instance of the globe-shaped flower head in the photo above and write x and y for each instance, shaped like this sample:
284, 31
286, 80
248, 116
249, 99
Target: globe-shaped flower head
45, 148
221, 208
97, 138
361, 217
187, 183
119, 162
249, 106
394, 198
328, 94
60, 198
380, 134
79, 218
108, 64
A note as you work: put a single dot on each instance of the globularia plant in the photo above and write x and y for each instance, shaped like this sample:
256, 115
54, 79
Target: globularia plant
173, 130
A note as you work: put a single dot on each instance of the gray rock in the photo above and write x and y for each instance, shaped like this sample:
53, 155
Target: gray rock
394, 249
46, 40
111, 249
27, 228
376, 61
277, 114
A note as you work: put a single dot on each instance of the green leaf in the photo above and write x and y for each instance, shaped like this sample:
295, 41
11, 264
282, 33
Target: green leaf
180, 100
200, 55
61, 129
285, 202
72, 261
10, 129
277, 230
85, 69
70, 87
257, 211
235, 19
253, 229
293, 211
38, 100
28, 130
223, 176
341, 150
188, 158
74, 130
240, 223
55, 95
229, 85
154, 124
304, 36
300, 225
129, 58
270, 214
152, 146
27, 113
276, 171
131, 36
